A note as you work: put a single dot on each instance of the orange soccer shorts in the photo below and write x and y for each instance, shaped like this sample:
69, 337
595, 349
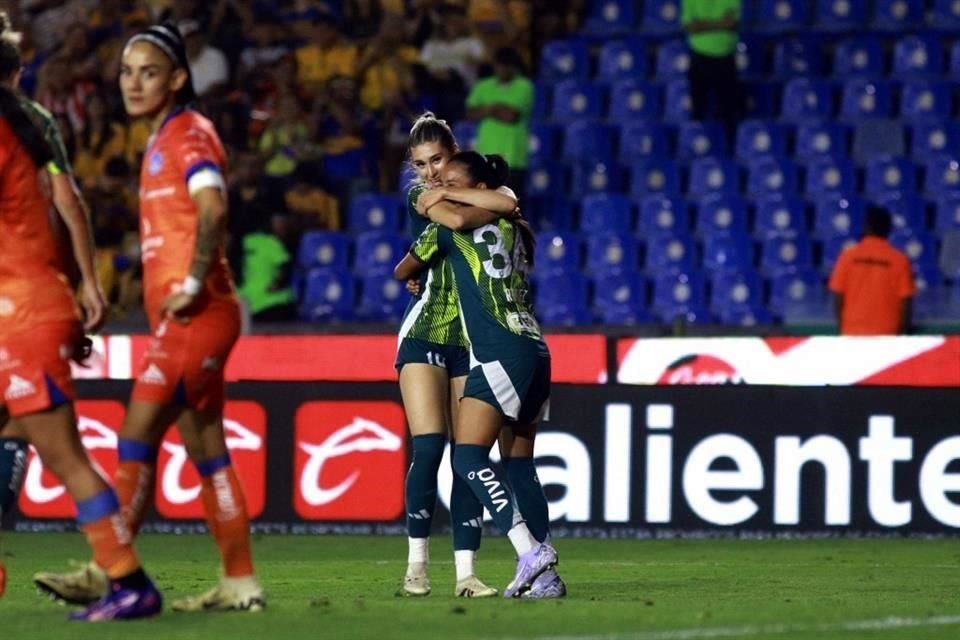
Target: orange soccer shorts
35, 367
184, 364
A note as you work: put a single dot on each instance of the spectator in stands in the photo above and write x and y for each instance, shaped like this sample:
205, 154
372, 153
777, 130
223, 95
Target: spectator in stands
385, 66
311, 207
502, 104
362, 19
345, 128
100, 139
208, 65
325, 53
286, 140
84, 63
267, 271
715, 92
452, 55
263, 49
872, 283
59, 94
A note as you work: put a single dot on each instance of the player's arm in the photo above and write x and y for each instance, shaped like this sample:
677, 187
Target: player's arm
426, 247
500, 201
76, 216
408, 268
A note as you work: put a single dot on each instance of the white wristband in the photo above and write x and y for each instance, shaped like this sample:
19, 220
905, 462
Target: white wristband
191, 286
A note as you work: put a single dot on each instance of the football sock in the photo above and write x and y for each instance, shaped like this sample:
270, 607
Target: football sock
418, 550
226, 512
107, 533
464, 561
466, 512
13, 463
421, 488
522, 473
134, 480
472, 463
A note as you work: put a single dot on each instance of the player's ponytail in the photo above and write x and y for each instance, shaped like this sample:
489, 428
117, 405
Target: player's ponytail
11, 109
428, 128
498, 171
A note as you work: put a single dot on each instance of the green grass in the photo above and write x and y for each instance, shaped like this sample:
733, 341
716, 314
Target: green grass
344, 587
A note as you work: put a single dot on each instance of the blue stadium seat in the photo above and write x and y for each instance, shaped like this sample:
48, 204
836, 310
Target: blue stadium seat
558, 251
664, 214
601, 212
889, 175
807, 99
677, 105
863, 98
407, 177
542, 93
832, 248
839, 217
382, 299
713, 174
955, 59
744, 316
908, 210
780, 255
761, 99
328, 294
931, 139
633, 99
930, 293
946, 15
816, 139
830, 176
465, 132
766, 176
918, 245
760, 138
735, 289
800, 287
621, 298
752, 61
722, 214
661, 17
840, 15
621, 59
565, 59
918, 55
926, 100
654, 176
948, 213
374, 212
732, 251
379, 251
780, 216
859, 56
673, 59
700, 139
591, 176
897, 15
610, 17
798, 56
576, 99
611, 251
588, 140
546, 179
326, 249
782, 15
549, 213
676, 294
544, 141
561, 299
642, 140
670, 252
942, 176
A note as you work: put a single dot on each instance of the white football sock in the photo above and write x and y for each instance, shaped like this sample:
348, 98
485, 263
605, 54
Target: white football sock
464, 560
521, 538
419, 550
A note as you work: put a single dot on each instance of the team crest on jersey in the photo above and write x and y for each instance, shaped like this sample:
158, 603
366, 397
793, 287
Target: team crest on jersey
155, 164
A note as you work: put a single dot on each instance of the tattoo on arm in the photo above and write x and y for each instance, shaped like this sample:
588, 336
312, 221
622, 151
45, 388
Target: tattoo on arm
211, 227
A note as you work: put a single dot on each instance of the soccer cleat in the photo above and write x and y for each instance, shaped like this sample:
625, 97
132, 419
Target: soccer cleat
123, 603
548, 585
529, 566
472, 587
229, 595
84, 586
416, 582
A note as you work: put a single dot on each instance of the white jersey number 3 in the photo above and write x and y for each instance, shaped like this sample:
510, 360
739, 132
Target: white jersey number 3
483, 236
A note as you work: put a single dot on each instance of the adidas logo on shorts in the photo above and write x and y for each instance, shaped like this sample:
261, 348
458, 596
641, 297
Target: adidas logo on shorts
19, 388
153, 375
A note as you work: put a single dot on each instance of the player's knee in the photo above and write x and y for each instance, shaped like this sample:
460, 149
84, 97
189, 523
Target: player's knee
428, 451
468, 458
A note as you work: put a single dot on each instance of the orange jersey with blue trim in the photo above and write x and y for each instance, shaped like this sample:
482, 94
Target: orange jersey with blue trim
184, 156
33, 290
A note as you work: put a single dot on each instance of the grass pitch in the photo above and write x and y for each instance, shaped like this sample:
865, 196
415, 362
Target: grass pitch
344, 587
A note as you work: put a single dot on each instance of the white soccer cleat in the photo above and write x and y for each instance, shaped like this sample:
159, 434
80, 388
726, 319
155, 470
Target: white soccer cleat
243, 594
84, 586
416, 582
472, 587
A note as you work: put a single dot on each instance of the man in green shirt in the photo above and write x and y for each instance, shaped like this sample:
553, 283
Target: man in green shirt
502, 104
266, 275
715, 92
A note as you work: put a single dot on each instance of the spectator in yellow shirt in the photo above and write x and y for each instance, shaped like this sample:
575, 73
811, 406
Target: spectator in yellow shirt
325, 54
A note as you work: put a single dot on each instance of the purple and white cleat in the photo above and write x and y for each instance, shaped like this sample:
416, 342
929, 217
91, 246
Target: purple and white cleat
529, 566
123, 604
548, 585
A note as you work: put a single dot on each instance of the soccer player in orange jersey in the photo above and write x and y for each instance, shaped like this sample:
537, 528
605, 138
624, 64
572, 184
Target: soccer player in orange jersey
40, 330
194, 318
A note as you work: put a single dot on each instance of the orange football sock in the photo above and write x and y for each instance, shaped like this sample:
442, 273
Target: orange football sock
227, 519
134, 483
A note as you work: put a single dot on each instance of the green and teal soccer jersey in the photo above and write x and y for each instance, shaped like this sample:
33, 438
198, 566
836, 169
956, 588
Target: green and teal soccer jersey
510, 362
44, 120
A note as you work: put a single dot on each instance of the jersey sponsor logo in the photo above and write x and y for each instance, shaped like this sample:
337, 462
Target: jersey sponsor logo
98, 422
19, 387
349, 460
155, 163
178, 485
153, 375
7, 307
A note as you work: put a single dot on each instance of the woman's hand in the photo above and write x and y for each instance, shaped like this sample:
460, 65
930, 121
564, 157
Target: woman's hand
428, 199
